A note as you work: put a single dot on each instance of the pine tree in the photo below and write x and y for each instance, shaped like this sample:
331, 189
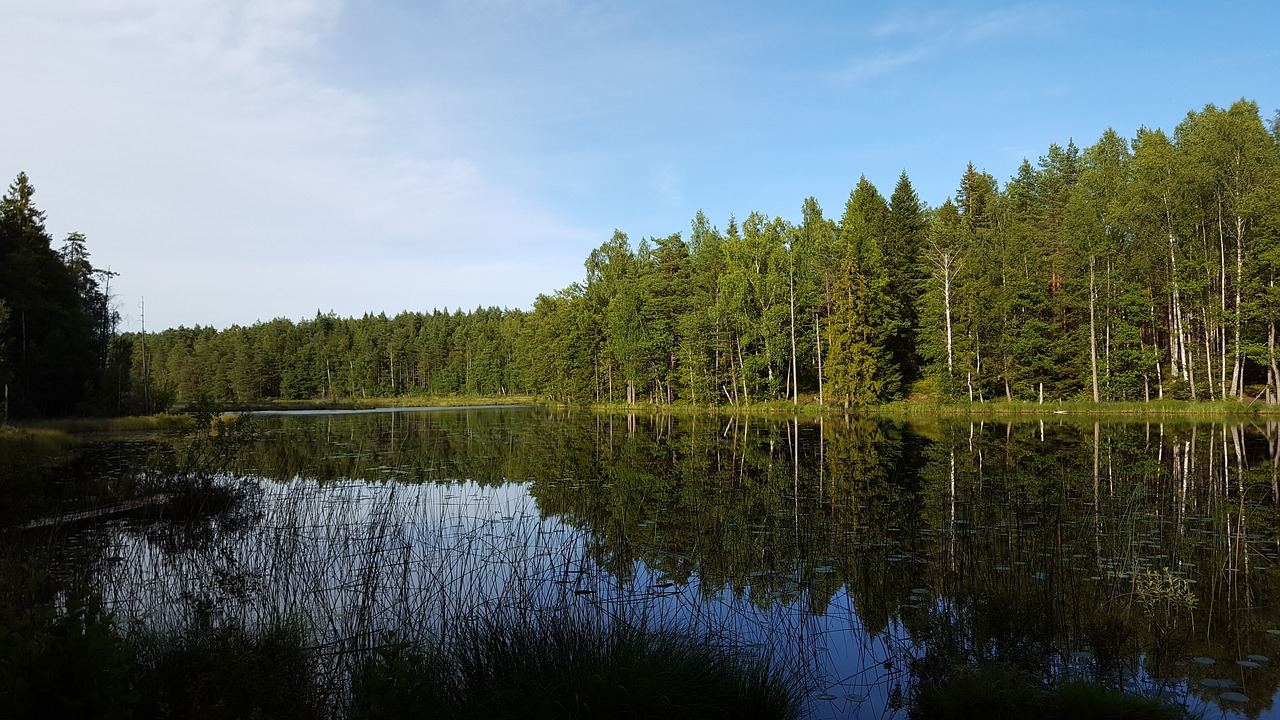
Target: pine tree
851, 361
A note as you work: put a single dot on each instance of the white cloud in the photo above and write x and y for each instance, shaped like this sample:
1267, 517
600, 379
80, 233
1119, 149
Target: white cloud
200, 147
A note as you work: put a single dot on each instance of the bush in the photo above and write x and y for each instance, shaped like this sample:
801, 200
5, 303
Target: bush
65, 662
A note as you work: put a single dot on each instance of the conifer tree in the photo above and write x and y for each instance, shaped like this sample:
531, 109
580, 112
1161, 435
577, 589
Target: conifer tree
851, 362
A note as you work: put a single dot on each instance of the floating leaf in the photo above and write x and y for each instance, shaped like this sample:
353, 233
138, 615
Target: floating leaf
1248, 664
1261, 659
1234, 697
1203, 660
1218, 683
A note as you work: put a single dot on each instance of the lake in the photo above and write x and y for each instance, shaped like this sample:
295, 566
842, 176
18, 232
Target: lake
859, 554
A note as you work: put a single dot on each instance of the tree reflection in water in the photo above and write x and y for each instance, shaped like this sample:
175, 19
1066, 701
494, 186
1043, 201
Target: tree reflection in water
864, 554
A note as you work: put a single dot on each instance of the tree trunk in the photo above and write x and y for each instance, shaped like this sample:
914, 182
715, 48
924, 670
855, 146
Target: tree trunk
1208, 360
795, 384
1222, 256
946, 303
1237, 375
817, 336
746, 396
1271, 357
1093, 330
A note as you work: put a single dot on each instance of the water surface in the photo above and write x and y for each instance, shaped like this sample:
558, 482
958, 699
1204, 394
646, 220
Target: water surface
860, 554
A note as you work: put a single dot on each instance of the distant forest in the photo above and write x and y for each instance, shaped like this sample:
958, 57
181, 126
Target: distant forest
1130, 270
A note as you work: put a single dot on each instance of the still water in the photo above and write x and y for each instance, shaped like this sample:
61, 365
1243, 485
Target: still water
858, 554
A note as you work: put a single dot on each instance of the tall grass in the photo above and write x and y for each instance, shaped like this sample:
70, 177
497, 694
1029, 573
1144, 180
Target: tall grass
133, 424
559, 665
464, 576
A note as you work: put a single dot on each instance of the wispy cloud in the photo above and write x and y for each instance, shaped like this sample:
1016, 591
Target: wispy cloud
910, 37
865, 69
177, 135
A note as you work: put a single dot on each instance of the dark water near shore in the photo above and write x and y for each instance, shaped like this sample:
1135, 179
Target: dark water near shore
859, 554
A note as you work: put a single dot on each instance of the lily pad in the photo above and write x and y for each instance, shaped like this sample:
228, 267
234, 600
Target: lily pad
1219, 683
1203, 660
1234, 697
1260, 659
1274, 631
1248, 664
826, 696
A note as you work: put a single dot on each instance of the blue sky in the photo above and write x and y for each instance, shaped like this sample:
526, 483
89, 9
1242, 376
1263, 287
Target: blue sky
237, 161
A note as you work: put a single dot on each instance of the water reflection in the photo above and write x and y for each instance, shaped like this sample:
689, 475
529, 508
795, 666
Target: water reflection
864, 553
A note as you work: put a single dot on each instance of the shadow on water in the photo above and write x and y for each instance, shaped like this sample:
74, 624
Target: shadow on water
867, 558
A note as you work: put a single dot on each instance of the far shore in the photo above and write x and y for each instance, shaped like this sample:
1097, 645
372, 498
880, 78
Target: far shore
920, 410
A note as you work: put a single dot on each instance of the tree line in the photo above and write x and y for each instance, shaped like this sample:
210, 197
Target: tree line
1130, 270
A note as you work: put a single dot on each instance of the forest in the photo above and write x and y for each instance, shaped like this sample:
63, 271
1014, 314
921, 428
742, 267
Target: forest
1130, 270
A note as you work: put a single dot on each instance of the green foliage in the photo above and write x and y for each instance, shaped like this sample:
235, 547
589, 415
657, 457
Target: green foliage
852, 365
65, 661
1127, 270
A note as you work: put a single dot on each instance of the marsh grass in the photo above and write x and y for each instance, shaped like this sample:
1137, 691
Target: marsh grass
556, 666
465, 577
129, 425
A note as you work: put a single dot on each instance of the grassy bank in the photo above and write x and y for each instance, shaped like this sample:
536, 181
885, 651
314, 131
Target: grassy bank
371, 403
906, 409
128, 425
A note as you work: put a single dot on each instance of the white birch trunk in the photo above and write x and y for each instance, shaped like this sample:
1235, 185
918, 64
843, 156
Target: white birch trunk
1093, 329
